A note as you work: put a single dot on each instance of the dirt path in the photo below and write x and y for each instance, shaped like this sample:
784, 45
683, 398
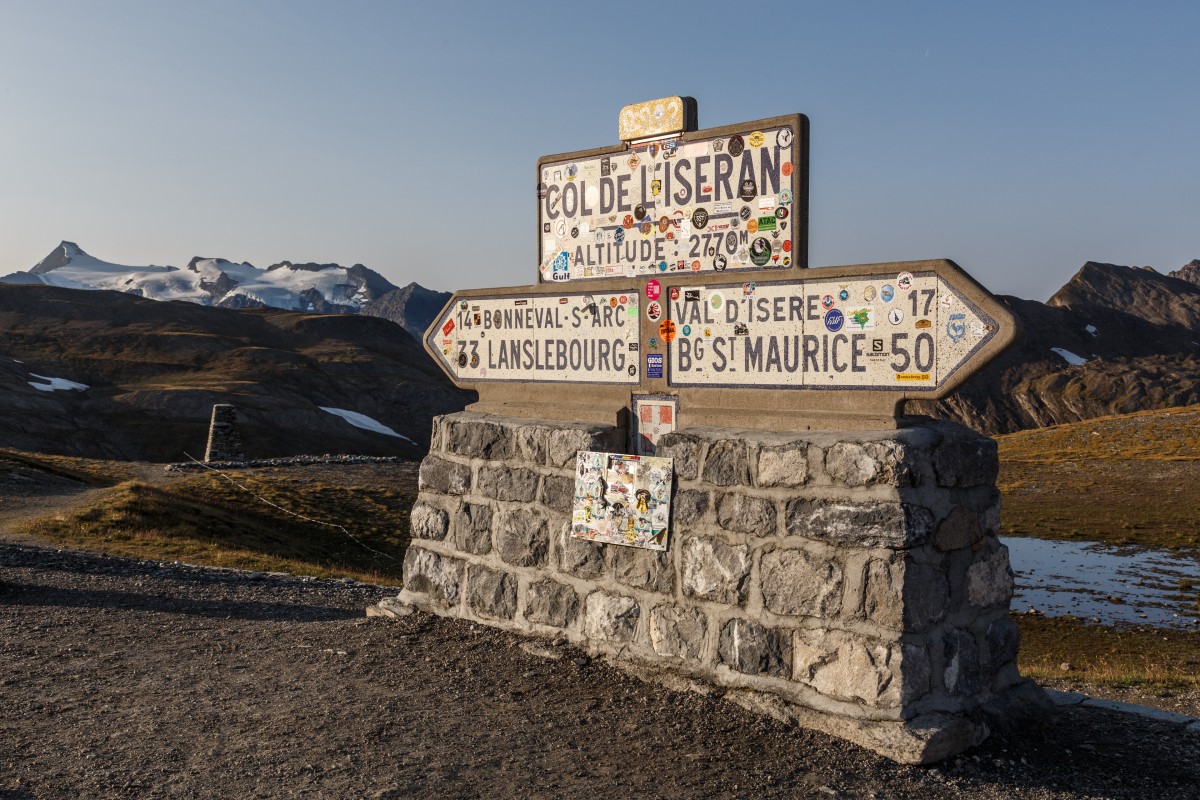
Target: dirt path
139, 679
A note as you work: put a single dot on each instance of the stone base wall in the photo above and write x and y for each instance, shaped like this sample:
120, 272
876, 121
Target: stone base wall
851, 582
224, 436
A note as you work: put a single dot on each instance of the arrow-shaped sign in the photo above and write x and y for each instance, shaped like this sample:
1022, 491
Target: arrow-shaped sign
843, 346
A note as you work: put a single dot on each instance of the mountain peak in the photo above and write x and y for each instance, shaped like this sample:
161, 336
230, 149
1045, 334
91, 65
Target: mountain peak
1189, 272
58, 257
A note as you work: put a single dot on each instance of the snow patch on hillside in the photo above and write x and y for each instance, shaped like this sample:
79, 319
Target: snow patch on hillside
1069, 357
364, 422
56, 384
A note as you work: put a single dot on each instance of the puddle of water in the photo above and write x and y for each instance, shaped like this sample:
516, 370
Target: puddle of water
1093, 581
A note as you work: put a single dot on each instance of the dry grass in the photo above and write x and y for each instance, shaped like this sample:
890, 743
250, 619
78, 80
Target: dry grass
1148, 658
208, 520
1127, 480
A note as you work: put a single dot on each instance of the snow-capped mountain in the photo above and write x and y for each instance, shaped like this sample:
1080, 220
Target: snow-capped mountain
323, 288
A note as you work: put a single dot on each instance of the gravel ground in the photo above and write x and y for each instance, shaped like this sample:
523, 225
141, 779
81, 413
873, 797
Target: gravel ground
122, 678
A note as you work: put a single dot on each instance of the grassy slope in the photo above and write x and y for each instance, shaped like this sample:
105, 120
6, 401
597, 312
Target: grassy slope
1127, 480
250, 524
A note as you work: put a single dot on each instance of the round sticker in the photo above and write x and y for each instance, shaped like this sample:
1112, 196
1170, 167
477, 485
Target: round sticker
639, 211
663, 224
633, 369
784, 138
696, 266
787, 245
834, 320
646, 227
896, 316
760, 251
752, 226
699, 217
653, 311
719, 262
786, 169
904, 281
827, 301
785, 197
844, 294
756, 139
687, 330
623, 300
653, 289
869, 294
612, 303
736, 146
462, 359
474, 360
716, 301
781, 212
886, 293
744, 213
666, 329
627, 221
674, 292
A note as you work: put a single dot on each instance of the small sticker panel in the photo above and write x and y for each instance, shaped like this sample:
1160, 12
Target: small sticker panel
622, 499
577, 338
654, 416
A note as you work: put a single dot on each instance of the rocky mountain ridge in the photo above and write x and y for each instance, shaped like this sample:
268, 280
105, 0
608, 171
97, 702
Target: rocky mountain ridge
218, 282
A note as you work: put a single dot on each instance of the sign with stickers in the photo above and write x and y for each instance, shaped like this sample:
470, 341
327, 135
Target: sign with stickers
722, 200
622, 499
580, 338
653, 418
906, 331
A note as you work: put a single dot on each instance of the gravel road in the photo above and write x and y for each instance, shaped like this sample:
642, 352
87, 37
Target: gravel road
122, 678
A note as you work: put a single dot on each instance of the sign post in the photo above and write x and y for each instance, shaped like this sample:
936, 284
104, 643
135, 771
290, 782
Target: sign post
675, 264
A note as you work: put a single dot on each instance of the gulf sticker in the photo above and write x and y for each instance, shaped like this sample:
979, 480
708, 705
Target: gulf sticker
666, 329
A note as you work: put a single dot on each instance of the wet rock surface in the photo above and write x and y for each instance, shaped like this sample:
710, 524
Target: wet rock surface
123, 678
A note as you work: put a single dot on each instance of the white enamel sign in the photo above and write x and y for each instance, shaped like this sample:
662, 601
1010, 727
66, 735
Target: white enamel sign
899, 331
577, 338
716, 204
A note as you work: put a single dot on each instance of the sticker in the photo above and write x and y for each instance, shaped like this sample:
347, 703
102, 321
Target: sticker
696, 266
827, 301
869, 293
787, 245
924, 323
744, 213
654, 365
912, 376
691, 295
699, 217
741, 329
834, 320
716, 301
618, 235
895, 316
628, 221
497, 318
748, 190
760, 252
664, 222
736, 146
655, 187
766, 224
752, 226
448, 328
784, 138
462, 359
785, 197
904, 281
786, 169
756, 139
622, 299
474, 360
632, 370
863, 318
781, 212
956, 327
748, 289
674, 292
639, 211
653, 311
687, 330
634, 161
719, 262
843, 293
652, 343
653, 290
886, 293
666, 329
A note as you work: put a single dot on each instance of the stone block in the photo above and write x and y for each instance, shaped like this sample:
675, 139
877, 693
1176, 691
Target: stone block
798, 583
521, 538
857, 669
472, 436
782, 465
903, 595
551, 603
755, 649
990, 577
966, 460
532, 443
684, 450
558, 493
439, 577
960, 655
713, 570
959, 529
727, 463
611, 617
428, 522
870, 524
651, 570
1003, 639
505, 483
473, 528
491, 593
747, 514
855, 464
688, 506
677, 632
444, 477
564, 444
579, 557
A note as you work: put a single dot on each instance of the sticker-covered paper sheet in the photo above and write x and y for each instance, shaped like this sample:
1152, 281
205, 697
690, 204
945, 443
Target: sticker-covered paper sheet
622, 499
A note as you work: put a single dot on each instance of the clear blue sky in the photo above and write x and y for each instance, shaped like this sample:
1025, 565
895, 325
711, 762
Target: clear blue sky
1018, 138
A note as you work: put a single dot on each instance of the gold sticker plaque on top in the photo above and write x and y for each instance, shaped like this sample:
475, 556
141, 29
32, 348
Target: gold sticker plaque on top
660, 117
722, 200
